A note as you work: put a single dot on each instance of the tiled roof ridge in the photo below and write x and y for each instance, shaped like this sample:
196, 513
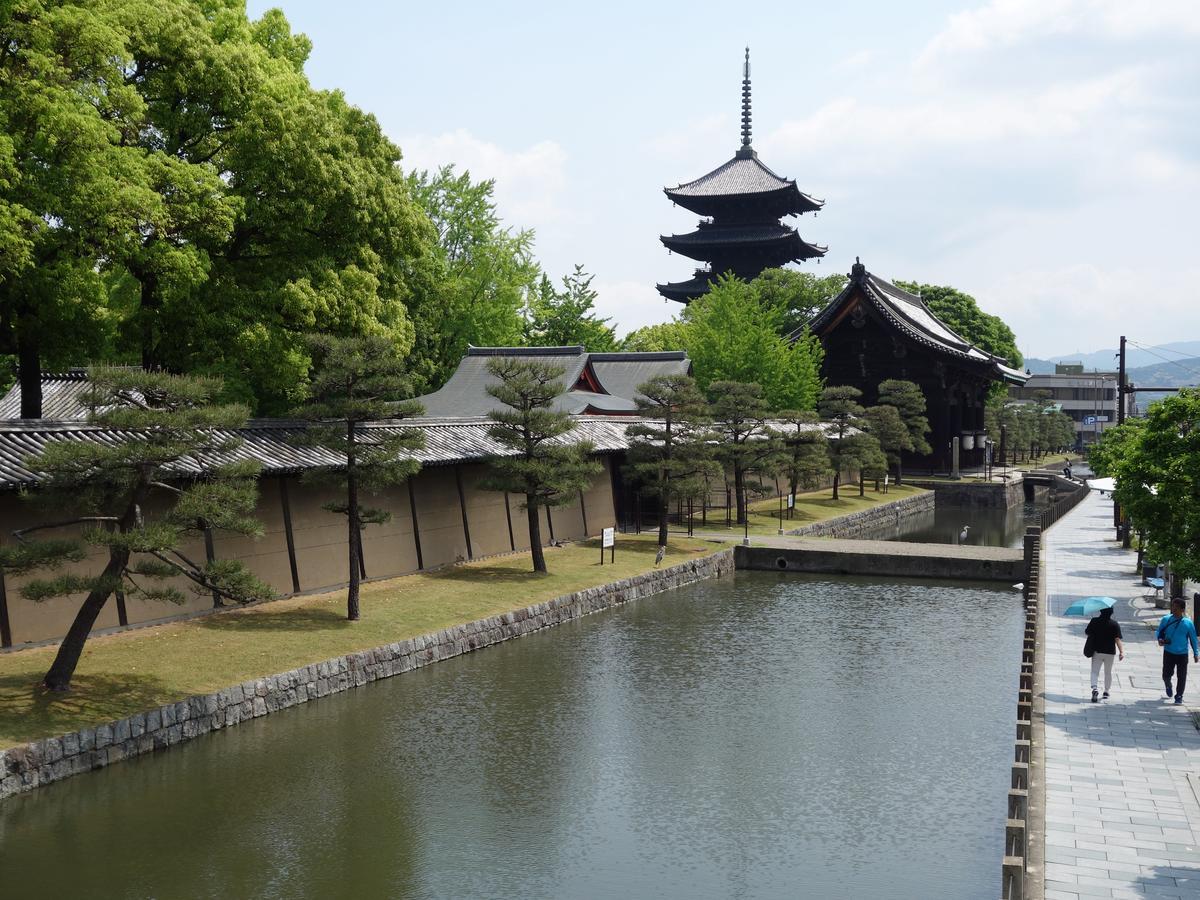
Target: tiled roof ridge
576, 350
638, 356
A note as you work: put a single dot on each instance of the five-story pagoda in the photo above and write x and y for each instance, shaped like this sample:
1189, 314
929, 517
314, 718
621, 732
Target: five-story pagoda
743, 202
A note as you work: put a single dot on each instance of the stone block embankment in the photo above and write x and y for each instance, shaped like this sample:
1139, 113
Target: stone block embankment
885, 558
871, 521
29, 766
977, 494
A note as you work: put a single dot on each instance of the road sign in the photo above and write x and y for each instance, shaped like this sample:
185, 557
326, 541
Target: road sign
1089, 420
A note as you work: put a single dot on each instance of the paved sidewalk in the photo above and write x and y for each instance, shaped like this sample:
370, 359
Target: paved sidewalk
1123, 775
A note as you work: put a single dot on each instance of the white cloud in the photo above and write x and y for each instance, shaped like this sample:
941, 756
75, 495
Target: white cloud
1084, 306
1005, 23
632, 304
530, 182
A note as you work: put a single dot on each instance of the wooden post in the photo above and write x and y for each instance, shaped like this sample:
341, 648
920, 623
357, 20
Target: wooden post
412, 509
5, 627
462, 505
583, 513
288, 534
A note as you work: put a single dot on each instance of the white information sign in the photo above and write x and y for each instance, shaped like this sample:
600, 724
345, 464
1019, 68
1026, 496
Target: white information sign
608, 538
791, 501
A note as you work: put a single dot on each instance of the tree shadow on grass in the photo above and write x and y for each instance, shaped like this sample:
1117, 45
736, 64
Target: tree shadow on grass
305, 618
29, 712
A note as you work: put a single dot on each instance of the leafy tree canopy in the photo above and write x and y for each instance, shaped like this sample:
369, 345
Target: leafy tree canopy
798, 296
567, 317
1156, 464
732, 335
479, 278
655, 338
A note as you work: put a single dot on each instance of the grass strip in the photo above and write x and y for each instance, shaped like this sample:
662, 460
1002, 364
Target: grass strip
127, 672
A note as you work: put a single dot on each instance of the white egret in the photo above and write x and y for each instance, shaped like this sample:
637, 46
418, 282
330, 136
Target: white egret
962, 535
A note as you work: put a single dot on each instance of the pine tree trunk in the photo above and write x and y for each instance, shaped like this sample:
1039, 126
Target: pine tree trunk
58, 678
535, 534
862, 485
837, 477
739, 491
663, 530
899, 471
352, 532
29, 369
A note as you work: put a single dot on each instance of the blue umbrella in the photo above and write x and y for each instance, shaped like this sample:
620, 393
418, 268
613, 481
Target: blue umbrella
1089, 606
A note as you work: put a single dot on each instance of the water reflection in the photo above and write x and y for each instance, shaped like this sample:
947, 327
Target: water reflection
944, 525
759, 736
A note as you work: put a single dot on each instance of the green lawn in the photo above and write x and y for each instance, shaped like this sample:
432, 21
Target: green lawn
814, 506
121, 674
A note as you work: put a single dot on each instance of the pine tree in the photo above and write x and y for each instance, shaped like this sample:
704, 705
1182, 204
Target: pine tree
357, 381
141, 498
909, 402
805, 456
671, 454
885, 425
546, 469
746, 443
840, 407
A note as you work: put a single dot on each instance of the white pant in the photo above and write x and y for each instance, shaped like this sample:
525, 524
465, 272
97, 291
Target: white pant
1106, 660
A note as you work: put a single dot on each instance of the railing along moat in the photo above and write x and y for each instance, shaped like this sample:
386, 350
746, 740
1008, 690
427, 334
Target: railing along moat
1018, 882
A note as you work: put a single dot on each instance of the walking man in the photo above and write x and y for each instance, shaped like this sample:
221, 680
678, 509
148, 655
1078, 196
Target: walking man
1104, 635
1175, 633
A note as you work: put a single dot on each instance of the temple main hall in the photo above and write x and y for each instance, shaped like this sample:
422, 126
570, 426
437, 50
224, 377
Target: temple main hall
742, 202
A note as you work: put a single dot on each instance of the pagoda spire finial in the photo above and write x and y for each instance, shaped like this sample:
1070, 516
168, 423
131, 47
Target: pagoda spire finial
746, 101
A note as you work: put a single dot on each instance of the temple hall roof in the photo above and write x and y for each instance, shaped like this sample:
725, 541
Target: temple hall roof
908, 314
595, 383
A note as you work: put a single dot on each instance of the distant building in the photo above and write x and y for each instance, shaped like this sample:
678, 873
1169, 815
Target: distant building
1089, 398
743, 202
873, 331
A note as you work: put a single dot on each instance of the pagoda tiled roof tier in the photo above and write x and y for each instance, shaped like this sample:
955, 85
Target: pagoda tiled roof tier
741, 181
686, 291
907, 314
775, 242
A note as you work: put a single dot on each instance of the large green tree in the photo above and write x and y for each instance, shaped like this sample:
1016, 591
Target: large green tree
732, 335
656, 338
1156, 464
798, 296
670, 453
127, 497
562, 318
542, 466
72, 194
354, 382
480, 274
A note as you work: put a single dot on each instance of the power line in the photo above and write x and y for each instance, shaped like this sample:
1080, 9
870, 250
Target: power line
1172, 362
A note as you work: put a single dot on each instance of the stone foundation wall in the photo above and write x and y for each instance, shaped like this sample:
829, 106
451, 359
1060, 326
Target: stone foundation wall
26, 767
981, 495
871, 521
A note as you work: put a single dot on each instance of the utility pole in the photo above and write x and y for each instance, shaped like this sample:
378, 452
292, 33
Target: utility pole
1121, 383
1123, 534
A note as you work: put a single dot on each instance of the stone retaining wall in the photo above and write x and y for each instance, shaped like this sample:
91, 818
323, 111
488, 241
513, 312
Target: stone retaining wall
979, 494
26, 767
871, 521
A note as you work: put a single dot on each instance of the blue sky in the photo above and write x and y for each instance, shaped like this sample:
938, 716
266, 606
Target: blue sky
1042, 155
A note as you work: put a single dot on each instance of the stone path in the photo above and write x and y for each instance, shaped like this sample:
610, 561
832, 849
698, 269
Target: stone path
1122, 776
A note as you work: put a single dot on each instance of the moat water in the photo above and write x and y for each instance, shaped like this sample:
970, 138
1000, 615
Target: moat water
759, 736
